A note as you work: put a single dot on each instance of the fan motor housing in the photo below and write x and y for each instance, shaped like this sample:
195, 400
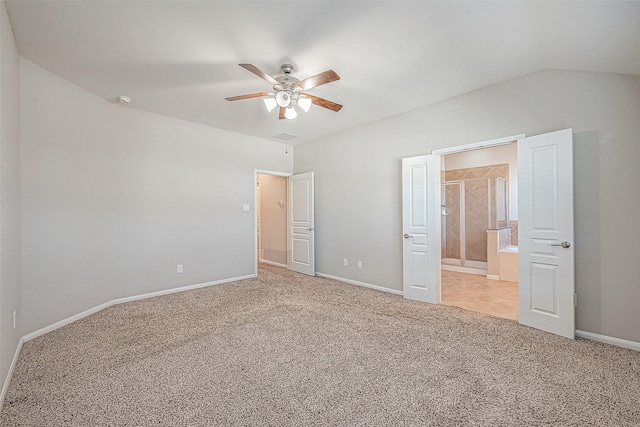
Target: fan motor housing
287, 68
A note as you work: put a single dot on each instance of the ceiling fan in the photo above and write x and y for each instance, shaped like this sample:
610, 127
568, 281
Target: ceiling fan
289, 91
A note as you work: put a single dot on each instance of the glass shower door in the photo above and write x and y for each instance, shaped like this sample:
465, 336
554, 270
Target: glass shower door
451, 225
477, 207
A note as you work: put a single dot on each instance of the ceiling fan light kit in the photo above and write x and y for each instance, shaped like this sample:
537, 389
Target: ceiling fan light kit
288, 91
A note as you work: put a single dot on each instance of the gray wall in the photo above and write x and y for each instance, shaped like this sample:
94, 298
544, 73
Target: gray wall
114, 198
358, 181
10, 291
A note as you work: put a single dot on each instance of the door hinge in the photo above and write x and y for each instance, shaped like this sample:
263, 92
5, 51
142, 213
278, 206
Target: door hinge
575, 299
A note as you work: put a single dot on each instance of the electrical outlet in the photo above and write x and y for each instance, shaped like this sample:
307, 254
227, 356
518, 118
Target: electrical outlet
345, 262
179, 269
359, 264
14, 320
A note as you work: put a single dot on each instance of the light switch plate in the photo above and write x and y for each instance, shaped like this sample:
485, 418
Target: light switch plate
245, 207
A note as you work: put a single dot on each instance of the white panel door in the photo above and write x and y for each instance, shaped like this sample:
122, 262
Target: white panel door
302, 256
545, 232
421, 228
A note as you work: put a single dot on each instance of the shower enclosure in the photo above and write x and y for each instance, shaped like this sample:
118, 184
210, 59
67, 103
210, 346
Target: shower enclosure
469, 208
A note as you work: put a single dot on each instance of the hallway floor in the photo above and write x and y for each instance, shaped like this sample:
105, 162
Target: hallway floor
477, 293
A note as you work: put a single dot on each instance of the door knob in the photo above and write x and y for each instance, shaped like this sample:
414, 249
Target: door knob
406, 236
563, 244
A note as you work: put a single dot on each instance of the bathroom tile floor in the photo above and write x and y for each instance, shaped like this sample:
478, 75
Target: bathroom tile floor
477, 293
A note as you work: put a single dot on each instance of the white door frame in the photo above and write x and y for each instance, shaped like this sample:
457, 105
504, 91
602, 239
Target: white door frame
255, 212
478, 145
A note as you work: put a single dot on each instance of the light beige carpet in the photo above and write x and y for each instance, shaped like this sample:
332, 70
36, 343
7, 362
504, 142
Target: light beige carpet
287, 349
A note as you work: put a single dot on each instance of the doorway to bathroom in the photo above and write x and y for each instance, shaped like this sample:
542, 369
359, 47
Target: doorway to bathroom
546, 255
479, 240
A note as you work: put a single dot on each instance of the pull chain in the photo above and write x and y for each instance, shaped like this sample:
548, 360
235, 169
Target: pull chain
286, 131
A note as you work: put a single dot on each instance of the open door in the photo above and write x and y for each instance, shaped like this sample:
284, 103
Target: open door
421, 228
301, 224
545, 229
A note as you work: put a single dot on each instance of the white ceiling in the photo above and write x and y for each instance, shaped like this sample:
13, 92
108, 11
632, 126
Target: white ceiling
179, 58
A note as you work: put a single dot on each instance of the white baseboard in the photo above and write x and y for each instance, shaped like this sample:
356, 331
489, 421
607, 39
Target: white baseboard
277, 264
363, 284
468, 270
632, 345
180, 289
90, 311
493, 277
66, 321
12, 367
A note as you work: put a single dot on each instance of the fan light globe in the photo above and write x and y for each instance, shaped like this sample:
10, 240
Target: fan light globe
283, 99
305, 104
290, 113
270, 103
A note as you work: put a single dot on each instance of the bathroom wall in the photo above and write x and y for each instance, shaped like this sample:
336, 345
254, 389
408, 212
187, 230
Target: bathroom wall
501, 154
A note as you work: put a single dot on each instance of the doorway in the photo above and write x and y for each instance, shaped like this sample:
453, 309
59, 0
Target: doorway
479, 231
546, 275
284, 221
271, 219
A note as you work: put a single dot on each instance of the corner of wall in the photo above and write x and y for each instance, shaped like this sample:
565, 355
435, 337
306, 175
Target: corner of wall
10, 201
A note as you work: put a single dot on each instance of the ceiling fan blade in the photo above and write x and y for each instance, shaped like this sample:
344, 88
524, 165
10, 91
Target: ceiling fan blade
317, 80
321, 102
258, 72
281, 114
251, 95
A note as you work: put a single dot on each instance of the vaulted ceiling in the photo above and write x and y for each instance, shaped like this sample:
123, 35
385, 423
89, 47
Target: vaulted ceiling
179, 58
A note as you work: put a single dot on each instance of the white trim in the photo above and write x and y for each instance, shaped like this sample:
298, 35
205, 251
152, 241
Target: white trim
12, 367
277, 264
493, 277
482, 265
66, 321
632, 345
478, 145
363, 284
95, 309
181, 289
266, 172
468, 270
